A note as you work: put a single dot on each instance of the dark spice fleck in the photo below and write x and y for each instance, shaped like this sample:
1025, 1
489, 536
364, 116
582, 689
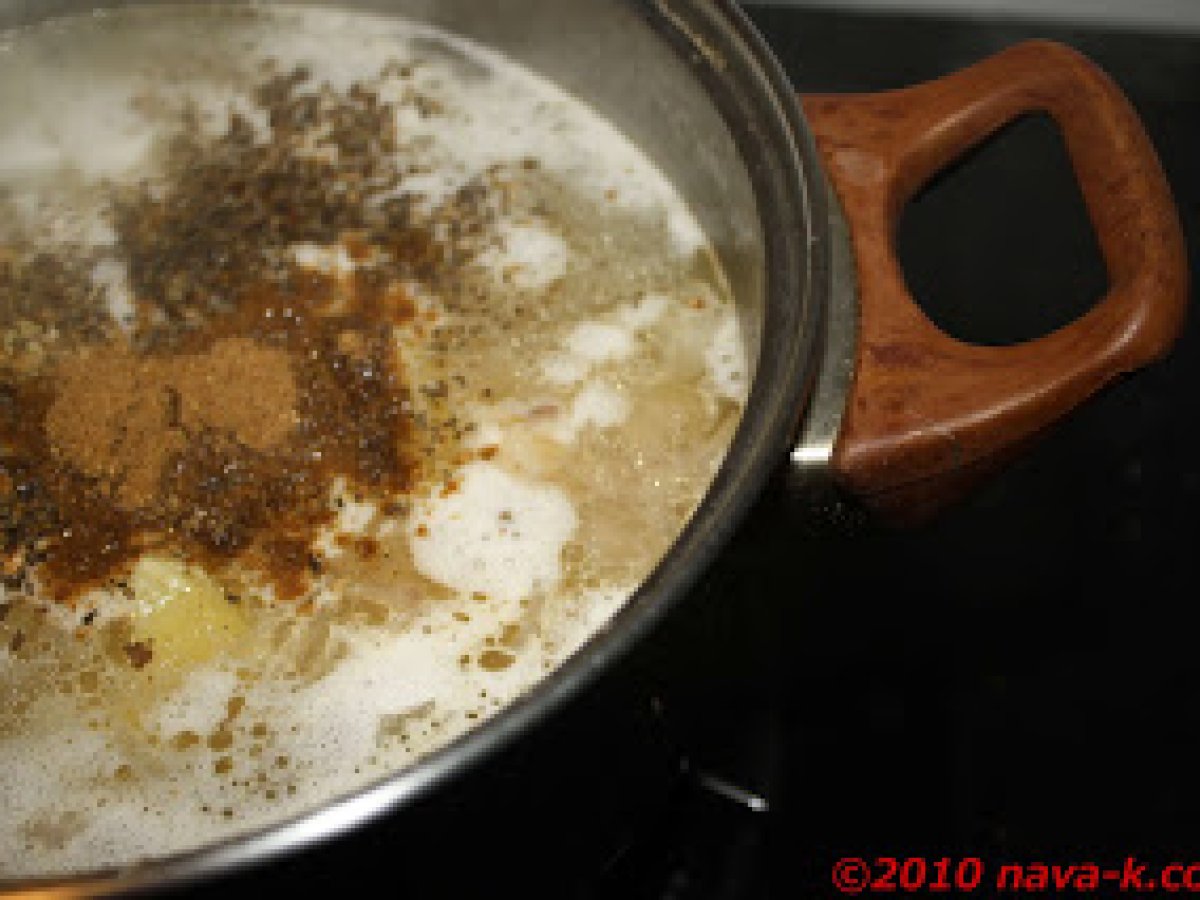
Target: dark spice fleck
139, 653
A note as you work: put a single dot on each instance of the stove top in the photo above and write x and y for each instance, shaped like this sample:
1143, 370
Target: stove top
1015, 681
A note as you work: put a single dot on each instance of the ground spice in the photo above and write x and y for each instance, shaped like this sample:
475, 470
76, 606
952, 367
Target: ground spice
121, 419
225, 447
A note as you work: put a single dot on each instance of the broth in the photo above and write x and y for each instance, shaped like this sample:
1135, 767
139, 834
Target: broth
352, 377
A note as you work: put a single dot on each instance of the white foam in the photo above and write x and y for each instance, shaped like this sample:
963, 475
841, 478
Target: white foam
496, 534
199, 705
726, 360
216, 106
38, 772
100, 605
504, 118
645, 313
111, 276
594, 343
354, 516
490, 433
598, 342
380, 677
527, 256
564, 368
587, 613
328, 260
598, 404
94, 133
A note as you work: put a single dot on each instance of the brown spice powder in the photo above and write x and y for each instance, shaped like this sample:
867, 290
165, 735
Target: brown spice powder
121, 419
224, 448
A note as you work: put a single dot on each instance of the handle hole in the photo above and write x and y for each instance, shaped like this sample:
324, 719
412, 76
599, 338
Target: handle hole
998, 249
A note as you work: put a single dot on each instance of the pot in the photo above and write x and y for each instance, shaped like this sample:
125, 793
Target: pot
801, 198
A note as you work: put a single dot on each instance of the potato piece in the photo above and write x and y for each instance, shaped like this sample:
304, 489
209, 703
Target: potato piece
182, 614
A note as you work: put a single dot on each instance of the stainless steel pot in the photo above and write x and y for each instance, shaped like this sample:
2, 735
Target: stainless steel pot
800, 200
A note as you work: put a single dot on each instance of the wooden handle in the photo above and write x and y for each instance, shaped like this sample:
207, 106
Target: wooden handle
927, 411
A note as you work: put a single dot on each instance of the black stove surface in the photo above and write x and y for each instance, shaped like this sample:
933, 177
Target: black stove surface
1016, 681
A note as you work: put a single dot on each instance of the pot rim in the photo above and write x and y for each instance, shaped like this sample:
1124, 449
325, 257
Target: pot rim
759, 105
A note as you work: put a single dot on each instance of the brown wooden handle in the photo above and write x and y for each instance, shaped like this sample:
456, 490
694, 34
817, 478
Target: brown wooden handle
926, 409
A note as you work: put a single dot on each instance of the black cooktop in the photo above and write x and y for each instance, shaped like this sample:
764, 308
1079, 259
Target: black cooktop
1016, 681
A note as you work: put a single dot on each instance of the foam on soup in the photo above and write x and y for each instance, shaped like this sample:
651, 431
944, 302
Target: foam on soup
352, 376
